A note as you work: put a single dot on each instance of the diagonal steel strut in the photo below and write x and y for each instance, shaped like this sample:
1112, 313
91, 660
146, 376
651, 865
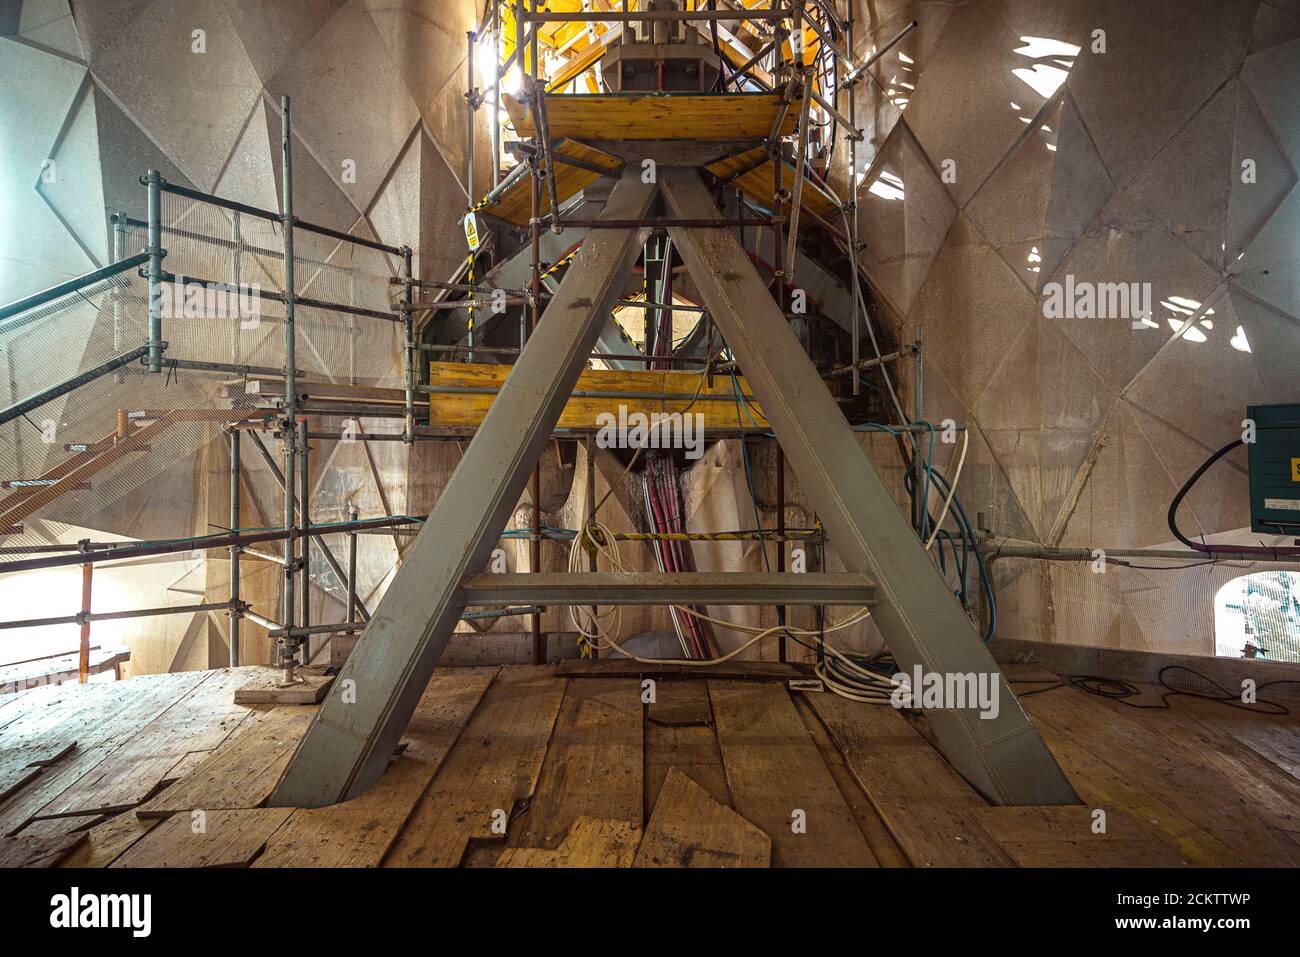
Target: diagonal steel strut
349, 744
920, 619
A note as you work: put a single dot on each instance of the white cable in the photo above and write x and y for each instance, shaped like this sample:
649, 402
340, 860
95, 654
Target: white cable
590, 626
952, 490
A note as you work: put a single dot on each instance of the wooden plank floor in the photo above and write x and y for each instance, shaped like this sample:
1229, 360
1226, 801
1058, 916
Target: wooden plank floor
590, 765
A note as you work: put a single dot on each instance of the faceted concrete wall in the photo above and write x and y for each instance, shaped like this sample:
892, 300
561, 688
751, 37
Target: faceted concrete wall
107, 88
94, 93
1015, 143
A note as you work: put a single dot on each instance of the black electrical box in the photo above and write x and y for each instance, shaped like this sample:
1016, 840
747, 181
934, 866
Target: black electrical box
1274, 458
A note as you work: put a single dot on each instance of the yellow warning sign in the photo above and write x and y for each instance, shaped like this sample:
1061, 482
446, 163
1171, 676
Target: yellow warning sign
1295, 470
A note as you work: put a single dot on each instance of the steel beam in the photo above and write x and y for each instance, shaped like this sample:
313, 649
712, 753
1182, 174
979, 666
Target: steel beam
358, 727
920, 619
662, 588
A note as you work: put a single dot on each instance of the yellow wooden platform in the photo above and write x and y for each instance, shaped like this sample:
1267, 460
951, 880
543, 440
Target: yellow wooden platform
759, 181
468, 409
656, 116
515, 204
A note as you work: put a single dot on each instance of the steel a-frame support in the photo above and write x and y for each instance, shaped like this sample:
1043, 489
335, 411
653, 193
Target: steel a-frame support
354, 736
920, 619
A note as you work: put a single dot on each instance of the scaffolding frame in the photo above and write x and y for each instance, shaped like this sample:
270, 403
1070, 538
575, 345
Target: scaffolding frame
297, 530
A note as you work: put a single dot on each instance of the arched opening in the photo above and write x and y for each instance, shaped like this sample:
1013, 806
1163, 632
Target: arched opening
1258, 616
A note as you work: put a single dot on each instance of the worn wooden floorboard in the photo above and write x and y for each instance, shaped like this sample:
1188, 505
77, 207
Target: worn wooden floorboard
38, 851
99, 723
494, 764
217, 838
884, 848
1091, 744
21, 765
1198, 784
1276, 739
1245, 778
778, 780
200, 720
928, 808
1069, 837
594, 765
106, 841
589, 842
625, 668
688, 828
679, 734
243, 771
1153, 748
358, 833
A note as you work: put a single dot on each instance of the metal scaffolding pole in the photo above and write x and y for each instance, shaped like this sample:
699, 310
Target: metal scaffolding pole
350, 743
83, 656
288, 646
235, 277
410, 353
851, 212
326, 554
304, 519
1003, 756
471, 37
119, 253
234, 549
352, 567
495, 125
153, 183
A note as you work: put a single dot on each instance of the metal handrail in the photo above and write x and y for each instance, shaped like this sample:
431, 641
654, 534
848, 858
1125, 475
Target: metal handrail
71, 286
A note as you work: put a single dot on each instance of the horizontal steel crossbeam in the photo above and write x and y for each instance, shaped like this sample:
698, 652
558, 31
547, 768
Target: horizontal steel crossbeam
659, 588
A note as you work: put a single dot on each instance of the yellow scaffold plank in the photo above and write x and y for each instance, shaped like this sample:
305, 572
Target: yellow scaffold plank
758, 182
515, 203
468, 409
656, 116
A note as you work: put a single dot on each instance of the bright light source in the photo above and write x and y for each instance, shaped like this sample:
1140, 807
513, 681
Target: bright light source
1037, 48
485, 61
1239, 341
512, 81
1045, 78
887, 186
1042, 79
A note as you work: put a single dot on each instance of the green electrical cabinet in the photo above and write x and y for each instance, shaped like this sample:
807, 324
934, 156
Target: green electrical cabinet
1274, 459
